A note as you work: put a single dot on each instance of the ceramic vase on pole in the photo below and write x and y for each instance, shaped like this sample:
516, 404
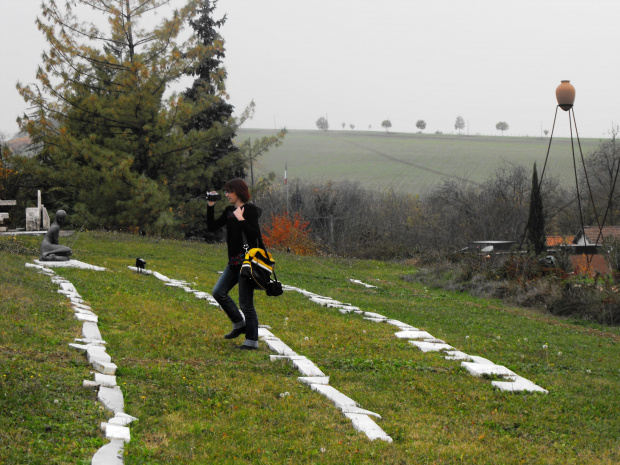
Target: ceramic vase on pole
565, 93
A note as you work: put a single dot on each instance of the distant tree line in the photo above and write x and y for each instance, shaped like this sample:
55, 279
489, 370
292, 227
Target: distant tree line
347, 220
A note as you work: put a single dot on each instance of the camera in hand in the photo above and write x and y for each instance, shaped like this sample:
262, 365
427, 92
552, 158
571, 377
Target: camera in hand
213, 196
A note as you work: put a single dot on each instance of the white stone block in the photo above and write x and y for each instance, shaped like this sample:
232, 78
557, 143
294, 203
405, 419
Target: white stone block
457, 355
67, 286
374, 320
430, 346
140, 271
71, 264
80, 347
160, 276
105, 368
364, 424
279, 347
97, 342
435, 341
306, 367
116, 432
111, 398
401, 325
110, 454
99, 354
84, 317
105, 380
349, 308
90, 330
518, 385
309, 380
339, 399
90, 384
476, 359
81, 306
121, 419
375, 315
481, 369
360, 411
409, 334
264, 333
325, 301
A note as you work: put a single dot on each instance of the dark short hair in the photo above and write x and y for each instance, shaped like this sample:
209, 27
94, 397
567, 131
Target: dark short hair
239, 187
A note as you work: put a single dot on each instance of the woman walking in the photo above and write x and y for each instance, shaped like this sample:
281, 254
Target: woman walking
240, 219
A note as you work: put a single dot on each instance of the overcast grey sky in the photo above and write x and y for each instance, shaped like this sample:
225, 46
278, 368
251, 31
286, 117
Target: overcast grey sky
362, 61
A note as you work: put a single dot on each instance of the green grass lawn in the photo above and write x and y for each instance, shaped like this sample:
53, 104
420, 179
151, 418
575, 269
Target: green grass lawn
410, 163
201, 401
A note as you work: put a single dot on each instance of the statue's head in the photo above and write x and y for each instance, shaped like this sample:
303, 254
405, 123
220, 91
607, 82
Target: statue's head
61, 217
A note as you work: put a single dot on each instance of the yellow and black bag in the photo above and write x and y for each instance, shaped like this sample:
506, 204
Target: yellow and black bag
258, 265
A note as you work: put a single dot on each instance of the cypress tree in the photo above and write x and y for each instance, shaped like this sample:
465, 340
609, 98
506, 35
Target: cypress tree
536, 221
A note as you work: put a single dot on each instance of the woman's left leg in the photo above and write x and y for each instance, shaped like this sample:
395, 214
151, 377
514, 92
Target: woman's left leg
246, 302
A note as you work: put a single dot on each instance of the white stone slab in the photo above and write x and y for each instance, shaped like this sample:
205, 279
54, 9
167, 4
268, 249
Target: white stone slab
116, 432
280, 347
80, 306
110, 454
84, 317
375, 320
360, 411
306, 367
160, 276
105, 380
84, 312
70, 264
97, 342
401, 325
338, 398
375, 315
105, 368
409, 334
519, 384
314, 380
457, 355
111, 398
69, 295
357, 281
67, 286
264, 333
325, 301
481, 369
140, 270
80, 347
349, 308
430, 346
435, 341
121, 419
366, 425
76, 300
98, 353
476, 359
90, 330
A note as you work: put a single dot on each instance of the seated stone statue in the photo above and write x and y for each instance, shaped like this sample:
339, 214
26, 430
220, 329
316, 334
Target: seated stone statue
51, 251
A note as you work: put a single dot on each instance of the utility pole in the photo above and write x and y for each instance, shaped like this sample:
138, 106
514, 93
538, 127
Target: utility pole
251, 163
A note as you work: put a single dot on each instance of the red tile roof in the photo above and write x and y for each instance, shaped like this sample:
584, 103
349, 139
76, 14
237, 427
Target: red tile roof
609, 232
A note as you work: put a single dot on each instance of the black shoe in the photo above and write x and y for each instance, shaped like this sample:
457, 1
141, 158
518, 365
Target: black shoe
235, 333
244, 347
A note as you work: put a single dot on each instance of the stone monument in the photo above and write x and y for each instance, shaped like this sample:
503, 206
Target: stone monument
51, 251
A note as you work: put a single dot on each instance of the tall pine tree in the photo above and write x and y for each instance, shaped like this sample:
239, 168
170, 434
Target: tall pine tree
536, 221
112, 148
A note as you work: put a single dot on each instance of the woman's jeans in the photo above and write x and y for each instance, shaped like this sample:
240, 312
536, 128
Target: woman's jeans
228, 280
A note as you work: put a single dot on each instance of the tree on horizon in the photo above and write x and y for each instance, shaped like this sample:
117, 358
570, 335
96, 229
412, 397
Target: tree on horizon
387, 124
322, 123
459, 123
421, 125
502, 126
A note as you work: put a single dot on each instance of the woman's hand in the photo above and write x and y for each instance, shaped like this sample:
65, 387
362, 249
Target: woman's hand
239, 213
211, 202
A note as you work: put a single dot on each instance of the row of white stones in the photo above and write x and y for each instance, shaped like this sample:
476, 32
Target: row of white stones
476, 366
312, 375
93, 345
319, 382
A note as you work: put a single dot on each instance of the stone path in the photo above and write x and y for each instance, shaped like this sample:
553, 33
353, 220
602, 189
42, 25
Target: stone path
476, 366
104, 379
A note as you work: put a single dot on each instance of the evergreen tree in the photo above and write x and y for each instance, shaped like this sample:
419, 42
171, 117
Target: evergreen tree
536, 220
112, 149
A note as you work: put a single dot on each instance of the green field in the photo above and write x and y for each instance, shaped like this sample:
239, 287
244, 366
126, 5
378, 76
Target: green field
409, 163
200, 401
